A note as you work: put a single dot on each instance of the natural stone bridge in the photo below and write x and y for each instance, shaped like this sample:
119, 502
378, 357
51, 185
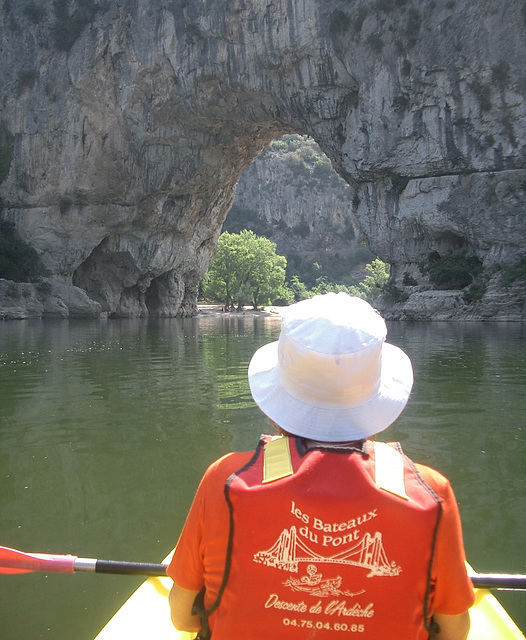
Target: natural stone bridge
130, 123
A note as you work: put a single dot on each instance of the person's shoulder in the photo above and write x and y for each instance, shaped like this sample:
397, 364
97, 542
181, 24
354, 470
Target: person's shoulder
434, 479
228, 464
428, 473
431, 477
210, 494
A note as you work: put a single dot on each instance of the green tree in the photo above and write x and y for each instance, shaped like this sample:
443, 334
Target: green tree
374, 282
245, 267
298, 289
267, 269
227, 271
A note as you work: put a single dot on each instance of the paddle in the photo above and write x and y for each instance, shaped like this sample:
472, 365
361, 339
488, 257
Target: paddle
505, 581
13, 561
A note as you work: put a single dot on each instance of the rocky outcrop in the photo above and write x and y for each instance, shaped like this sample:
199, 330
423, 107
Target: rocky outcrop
500, 304
125, 126
22, 300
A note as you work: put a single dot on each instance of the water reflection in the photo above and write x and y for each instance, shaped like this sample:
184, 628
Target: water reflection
106, 427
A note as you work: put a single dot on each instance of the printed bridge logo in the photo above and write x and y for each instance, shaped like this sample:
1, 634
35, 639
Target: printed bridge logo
352, 548
289, 550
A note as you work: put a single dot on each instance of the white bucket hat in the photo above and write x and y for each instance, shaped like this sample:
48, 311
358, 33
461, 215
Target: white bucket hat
331, 376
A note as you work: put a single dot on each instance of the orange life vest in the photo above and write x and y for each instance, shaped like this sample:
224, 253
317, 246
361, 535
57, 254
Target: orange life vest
325, 543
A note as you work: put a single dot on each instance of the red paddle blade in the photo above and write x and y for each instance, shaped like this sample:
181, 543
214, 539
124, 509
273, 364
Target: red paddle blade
13, 561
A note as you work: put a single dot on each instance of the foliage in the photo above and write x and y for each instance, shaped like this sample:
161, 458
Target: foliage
223, 279
18, 260
339, 23
401, 102
413, 26
454, 270
69, 25
408, 280
359, 18
245, 267
483, 94
284, 296
500, 73
406, 68
374, 40
514, 271
34, 12
302, 229
266, 274
374, 283
12, 291
394, 293
307, 273
335, 266
6, 150
26, 79
65, 204
304, 159
44, 288
475, 292
298, 289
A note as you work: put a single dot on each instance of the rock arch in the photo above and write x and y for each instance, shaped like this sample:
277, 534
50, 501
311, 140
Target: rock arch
143, 120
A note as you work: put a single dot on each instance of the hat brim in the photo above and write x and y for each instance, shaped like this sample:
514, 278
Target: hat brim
338, 424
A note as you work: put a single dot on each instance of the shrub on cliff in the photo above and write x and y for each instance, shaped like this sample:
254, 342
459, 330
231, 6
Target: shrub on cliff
453, 271
514, 271
70, 22
18, 260
305, 160
6, 150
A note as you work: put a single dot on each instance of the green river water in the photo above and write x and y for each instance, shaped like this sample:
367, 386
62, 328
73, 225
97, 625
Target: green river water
107, 426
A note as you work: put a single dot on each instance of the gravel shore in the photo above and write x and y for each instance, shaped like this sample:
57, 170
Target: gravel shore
217, 310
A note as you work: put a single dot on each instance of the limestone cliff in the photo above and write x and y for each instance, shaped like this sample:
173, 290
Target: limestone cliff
125, 125
292, 195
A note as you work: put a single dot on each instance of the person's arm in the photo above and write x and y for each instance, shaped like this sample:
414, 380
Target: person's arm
197, 540
452, 627
181, 603
452, 589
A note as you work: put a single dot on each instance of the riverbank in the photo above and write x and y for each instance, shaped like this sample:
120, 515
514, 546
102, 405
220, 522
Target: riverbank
22, 300
218, 310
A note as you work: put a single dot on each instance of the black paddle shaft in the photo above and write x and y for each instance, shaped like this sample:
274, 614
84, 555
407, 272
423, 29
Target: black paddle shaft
499, 581
481, 581
130, 568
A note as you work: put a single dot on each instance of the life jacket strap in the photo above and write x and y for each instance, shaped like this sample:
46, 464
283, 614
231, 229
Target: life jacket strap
277, 462
198, 609
389, 465
389, 469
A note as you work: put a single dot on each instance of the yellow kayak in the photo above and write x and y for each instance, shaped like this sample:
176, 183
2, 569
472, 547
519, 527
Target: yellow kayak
145, 616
